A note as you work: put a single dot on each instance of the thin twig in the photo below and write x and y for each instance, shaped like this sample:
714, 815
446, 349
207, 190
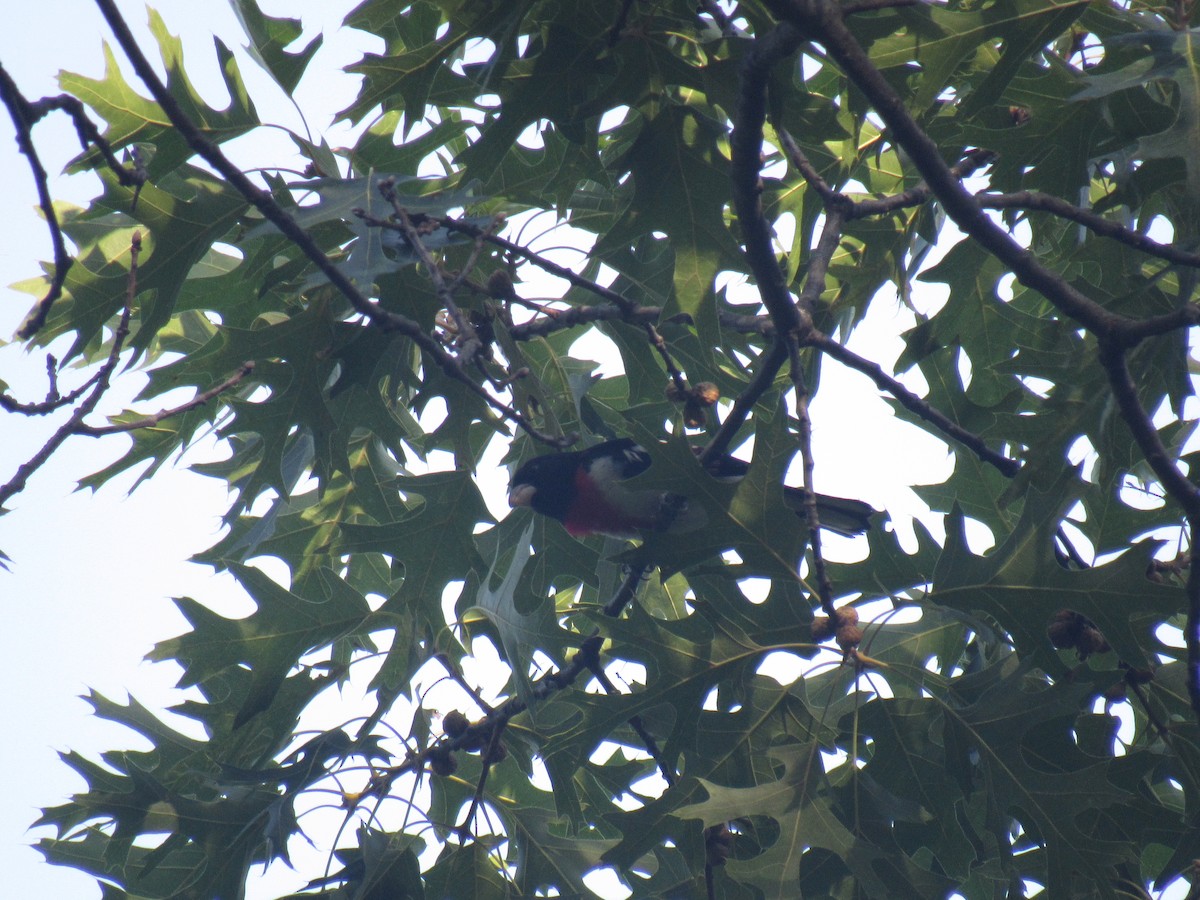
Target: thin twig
800, 390
550, 684
1069, 550
152, 420
724, 22
469, 344
972, 162
626, 592
1036, 200
822, 21
618, 26
629, 311
1177, 485
274, 213
814, 287
913, 403
103, 378
770, 361
24, 115
54, 400
871, 5
623, 303
639, 727
488, 756
452, 670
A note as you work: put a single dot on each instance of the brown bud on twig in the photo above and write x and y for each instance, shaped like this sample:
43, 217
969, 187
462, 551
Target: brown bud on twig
500, 286
695, 400
1064, 629
1115, 692
1139, 676
706, 393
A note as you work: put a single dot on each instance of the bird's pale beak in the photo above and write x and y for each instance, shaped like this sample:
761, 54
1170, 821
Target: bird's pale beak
521, 495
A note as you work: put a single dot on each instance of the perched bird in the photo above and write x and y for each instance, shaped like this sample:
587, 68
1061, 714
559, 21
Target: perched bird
583, 489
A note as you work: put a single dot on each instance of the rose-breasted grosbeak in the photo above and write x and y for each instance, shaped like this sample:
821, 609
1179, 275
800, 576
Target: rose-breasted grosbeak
583, 490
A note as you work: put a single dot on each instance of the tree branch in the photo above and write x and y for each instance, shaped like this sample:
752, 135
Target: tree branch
99, 387
152, 420
629, 311
822, 21
24, 115
745, 163
913, 403
274, 213
1036, 200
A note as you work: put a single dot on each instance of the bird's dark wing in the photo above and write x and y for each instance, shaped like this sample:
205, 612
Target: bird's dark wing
626, 455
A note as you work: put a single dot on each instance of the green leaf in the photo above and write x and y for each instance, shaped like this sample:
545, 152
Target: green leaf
134, 120
269, 40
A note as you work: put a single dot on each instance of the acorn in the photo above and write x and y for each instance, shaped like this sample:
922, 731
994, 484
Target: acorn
1064, 629
822, 630
455, 724
1091, 641
442, 762
848, 636
706, 393
1115, 692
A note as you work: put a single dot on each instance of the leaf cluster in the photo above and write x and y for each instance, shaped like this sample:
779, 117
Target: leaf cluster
703, 742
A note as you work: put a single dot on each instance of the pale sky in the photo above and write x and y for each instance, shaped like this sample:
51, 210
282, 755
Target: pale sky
92, 574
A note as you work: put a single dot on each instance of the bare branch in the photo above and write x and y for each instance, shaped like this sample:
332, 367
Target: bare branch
770, 361
1036, 200
822, 21
746, 161
639, 727
1178, 487
713, 9
276, 215
54, 400
1192, 627
24, 115
99, 387
469, 340
871, 5
913, 403
623, 303
618, 26
800, 390
152, 420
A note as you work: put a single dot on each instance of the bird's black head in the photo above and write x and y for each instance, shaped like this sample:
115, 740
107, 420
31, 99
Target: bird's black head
546, 484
